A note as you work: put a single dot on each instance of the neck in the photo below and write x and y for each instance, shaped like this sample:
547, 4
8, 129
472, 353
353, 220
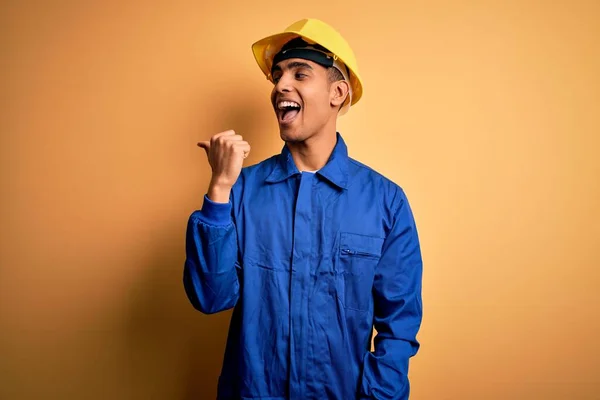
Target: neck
313, 153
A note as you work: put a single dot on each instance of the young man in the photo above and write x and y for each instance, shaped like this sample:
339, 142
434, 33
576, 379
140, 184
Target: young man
310, 247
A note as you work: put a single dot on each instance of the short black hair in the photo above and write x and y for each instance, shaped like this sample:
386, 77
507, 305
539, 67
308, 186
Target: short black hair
334, 75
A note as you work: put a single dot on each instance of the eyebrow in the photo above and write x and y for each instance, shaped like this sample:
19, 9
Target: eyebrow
292, 65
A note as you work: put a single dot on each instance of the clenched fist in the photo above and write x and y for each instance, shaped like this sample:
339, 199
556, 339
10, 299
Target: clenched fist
226, 152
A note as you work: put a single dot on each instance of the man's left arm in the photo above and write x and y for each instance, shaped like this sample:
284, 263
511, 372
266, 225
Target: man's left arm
398, 309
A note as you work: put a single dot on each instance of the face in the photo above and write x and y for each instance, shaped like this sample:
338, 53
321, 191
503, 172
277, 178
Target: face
304, 100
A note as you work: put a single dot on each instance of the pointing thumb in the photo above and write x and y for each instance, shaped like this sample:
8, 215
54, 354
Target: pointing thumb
205, 145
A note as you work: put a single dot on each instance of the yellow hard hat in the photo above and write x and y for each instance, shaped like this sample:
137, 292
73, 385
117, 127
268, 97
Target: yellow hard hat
312, 31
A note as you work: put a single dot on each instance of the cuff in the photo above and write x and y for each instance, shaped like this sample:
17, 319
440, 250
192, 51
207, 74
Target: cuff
216, 213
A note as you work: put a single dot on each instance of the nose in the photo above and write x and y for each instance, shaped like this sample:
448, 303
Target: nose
283, 85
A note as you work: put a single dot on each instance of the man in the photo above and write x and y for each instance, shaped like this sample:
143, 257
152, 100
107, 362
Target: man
310, 247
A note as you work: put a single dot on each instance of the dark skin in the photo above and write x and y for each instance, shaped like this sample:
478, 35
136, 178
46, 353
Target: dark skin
311, 134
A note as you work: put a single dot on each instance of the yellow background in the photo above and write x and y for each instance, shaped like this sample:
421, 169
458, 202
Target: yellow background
485, 112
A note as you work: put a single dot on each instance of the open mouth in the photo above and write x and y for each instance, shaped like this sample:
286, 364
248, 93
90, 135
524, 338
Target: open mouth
287, 111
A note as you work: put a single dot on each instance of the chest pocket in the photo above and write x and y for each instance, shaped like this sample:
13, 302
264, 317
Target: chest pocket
357, 258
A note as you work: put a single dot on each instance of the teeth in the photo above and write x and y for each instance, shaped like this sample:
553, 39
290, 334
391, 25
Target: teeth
285, 104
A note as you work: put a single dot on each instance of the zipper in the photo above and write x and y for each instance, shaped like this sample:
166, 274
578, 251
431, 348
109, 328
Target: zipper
357, 253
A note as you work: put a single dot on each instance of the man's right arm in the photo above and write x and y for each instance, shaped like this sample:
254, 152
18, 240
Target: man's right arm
211, 268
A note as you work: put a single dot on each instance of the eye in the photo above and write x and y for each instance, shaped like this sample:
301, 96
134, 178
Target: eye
300, 75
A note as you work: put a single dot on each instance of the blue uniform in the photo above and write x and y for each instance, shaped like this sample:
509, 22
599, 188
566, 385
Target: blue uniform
310, 262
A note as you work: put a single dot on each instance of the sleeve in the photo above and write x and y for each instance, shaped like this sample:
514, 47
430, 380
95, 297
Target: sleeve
211, 267
397, 310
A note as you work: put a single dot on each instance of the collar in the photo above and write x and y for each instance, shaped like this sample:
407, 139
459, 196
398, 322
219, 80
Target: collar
335, 170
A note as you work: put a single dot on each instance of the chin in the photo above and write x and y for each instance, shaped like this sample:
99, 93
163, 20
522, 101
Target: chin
290, 134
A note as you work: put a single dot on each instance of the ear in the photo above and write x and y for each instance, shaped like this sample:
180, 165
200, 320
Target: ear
338, 93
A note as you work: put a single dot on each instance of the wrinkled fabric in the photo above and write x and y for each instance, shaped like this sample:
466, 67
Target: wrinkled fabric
310, 262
